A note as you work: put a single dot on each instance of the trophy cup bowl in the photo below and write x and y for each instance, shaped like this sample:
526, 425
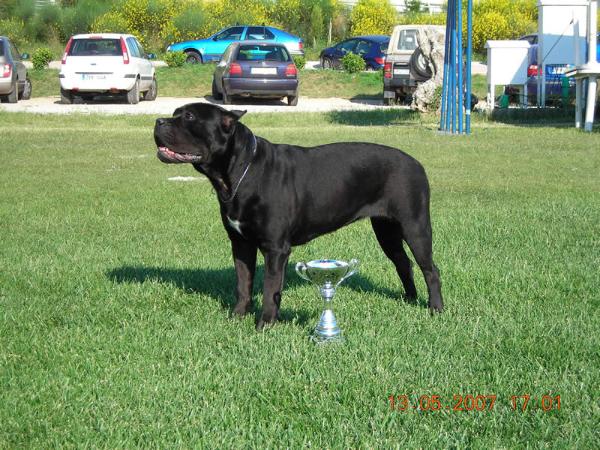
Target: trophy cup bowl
327, 275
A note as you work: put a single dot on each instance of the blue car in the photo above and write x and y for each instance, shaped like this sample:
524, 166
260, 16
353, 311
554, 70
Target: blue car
213, 47
372, 49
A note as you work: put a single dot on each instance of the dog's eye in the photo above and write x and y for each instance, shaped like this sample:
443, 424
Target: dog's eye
189, 116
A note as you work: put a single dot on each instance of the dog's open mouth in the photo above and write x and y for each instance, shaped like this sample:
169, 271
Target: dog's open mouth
167, 155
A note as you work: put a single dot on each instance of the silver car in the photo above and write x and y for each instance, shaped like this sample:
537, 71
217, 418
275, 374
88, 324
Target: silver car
14, 82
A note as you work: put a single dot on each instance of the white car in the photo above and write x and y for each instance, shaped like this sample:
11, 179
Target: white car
106, 64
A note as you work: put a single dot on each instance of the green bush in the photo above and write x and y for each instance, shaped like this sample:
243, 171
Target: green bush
300, 62
175, 59
14, 29
373, 17
41, 57
353, 63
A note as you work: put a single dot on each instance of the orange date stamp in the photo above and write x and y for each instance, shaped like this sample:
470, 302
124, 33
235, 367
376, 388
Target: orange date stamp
471, 402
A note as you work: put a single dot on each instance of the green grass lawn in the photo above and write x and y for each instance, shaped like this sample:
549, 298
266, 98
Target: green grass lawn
195, 81
116, 286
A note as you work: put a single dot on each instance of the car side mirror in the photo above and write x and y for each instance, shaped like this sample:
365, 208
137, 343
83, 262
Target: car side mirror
151, 56
25, 56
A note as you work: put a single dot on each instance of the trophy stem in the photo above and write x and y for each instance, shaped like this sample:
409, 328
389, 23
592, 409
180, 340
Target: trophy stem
327, 329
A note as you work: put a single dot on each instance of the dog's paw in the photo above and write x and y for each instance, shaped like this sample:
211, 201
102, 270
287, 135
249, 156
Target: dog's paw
241, 309
437, 308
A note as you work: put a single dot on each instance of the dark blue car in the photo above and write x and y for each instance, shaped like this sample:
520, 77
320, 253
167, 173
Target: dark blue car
256, 69
372, 49
213, 47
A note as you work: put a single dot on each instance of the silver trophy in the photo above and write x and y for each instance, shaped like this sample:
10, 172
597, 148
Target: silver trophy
327, 274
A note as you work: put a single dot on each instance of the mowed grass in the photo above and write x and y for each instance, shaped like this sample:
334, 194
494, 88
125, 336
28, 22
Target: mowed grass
116, 286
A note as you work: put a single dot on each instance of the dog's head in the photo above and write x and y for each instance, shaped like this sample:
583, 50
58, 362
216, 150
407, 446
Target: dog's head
196, 133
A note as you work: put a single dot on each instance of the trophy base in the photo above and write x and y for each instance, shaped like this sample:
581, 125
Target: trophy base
327, 330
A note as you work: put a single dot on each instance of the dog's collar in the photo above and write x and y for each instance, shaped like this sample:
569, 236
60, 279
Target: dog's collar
232, 196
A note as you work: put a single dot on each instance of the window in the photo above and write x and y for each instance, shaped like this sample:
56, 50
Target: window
95, 47
230, 34
363, 47
347, 46
407, 40
133, 48
14, 52
255, 33
1, 47
263, 53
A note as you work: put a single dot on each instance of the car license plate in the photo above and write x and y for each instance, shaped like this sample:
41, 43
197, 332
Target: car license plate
263, 71
401, 71
87, 76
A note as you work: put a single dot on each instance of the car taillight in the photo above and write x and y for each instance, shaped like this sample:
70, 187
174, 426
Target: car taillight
6, 71
291, 71
387, 70
67, 48
380, 60
533, 70
235, 69
125, 53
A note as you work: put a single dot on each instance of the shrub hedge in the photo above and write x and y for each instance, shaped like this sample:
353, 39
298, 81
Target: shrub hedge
159, 22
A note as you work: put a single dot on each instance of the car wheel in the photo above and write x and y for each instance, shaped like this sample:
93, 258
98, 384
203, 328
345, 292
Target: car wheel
292, 100
193, 57
419, 68
326, 63
215, 93
151, 93
133, 95
66, 98
13, 97
226, 98
26, 94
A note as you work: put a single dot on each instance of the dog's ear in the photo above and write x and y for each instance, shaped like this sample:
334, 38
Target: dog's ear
230, 118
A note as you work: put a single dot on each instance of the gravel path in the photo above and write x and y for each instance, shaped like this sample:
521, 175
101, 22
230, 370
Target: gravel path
166, 105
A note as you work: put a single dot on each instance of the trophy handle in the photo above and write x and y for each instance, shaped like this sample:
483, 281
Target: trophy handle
301, 271
352, 269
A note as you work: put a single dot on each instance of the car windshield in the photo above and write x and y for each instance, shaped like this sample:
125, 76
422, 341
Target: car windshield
263, 53
95, 47
407, 40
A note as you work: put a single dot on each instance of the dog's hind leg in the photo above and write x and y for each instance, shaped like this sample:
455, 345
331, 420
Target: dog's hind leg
417, 235
244, 256
389, 235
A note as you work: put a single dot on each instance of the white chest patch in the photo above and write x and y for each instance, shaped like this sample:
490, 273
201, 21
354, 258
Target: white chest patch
235, 224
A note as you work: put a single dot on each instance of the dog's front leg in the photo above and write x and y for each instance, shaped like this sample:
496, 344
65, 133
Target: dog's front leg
244, 256
275, 264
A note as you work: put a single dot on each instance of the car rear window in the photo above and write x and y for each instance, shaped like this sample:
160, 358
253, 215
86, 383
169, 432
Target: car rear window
407, 40
1, 47
263, 53
95, 47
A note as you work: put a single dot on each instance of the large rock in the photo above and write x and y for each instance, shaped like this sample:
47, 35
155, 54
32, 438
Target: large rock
429, 58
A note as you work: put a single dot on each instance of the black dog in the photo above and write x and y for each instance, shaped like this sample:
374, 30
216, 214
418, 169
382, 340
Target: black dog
275, 196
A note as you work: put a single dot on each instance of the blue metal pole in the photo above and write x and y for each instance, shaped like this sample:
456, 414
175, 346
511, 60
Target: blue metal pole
459, 44
449, 95
453, 68
445, 81
469, 56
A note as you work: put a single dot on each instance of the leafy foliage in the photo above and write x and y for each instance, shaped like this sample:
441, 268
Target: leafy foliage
373, 17
353, 63
175, 59
41, 57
